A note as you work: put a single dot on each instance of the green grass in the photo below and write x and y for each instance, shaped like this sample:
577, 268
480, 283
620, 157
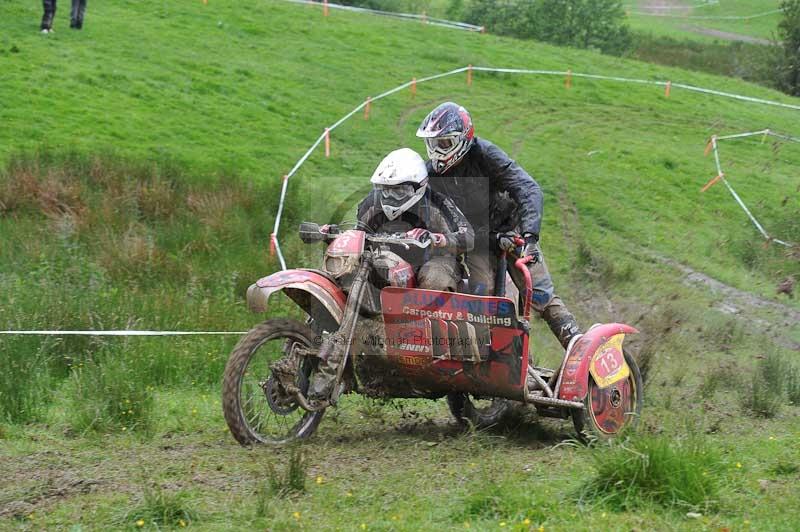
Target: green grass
643, 470
141, 160
680, 23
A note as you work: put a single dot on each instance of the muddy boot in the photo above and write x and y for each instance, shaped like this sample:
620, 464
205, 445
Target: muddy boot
324, 378
561, 322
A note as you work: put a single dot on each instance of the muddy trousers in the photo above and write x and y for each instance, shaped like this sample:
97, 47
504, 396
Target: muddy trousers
439, 273
76, 15
545, 302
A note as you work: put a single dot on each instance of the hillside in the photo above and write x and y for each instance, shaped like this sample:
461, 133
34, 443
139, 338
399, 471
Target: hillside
142, 158
723, 20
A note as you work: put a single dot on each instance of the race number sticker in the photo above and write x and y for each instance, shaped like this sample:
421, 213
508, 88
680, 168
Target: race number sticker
608, 363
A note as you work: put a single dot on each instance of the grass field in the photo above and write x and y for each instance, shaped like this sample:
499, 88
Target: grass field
698, 17
142, 158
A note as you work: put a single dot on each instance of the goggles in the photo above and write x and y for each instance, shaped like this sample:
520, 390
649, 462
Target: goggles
442, 145
397, 192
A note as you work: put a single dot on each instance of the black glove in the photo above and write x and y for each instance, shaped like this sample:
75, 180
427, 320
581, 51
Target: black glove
505, 241
530, 249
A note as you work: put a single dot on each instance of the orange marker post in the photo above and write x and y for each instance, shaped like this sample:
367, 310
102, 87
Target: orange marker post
366, 107
483, 29
469, 75
272, 245
327, 142
413, 87
709, 147
568, 81
667, 89
325, 10
711, 183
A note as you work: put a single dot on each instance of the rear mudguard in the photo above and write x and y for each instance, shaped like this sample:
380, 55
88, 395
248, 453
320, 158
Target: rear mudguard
575, 373
316, 293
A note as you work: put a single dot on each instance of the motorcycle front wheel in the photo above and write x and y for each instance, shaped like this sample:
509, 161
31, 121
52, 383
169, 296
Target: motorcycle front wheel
256, 408
480, 413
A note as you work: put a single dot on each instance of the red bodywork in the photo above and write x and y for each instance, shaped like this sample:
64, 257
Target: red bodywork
347, 244
575, 378
310, 289
428, 342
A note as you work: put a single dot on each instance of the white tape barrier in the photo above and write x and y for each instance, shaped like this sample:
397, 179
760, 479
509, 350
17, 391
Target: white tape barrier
326, 131
721, 175
452, 24
125, 333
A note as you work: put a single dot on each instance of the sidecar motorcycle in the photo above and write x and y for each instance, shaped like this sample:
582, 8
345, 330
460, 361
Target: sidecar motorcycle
392, 340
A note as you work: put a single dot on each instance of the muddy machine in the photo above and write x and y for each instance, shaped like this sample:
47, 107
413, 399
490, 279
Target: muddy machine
385, 338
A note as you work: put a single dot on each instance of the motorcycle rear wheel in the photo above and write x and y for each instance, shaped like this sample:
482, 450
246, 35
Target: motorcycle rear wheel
480, 414
255, 410
609, 412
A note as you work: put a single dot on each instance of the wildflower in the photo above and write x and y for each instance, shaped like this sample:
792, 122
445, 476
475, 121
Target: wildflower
140, 523
363, 526
296, 515
738, 465
30, 516
466, 524
194, 411
502, 523
182, 523
349, 494
772, 438
320, 480
541, 528
603, 515
124, 429
526, 521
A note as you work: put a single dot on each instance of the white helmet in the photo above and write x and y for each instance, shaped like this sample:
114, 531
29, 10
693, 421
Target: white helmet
401, 180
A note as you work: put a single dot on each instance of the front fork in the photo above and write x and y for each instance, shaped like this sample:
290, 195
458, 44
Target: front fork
335, 349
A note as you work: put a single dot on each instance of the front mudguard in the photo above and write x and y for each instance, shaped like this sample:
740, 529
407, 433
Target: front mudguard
316, 293
575, 373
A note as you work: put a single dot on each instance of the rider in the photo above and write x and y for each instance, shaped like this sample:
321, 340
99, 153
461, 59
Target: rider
475, 173
402, 202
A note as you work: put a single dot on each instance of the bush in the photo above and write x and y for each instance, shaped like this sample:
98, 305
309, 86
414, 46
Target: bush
647, 469
594, 24
788, 72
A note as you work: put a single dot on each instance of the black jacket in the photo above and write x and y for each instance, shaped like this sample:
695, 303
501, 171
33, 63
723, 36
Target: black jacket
434, 212
485, 173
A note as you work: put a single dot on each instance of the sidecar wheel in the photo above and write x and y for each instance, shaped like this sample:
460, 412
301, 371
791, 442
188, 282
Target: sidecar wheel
255, 409
479, 413
608, 412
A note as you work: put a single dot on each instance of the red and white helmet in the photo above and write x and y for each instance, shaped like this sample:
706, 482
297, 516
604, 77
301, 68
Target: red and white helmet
448, 135
401, 179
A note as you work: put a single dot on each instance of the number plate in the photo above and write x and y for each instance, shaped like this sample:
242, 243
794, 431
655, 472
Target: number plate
608, 363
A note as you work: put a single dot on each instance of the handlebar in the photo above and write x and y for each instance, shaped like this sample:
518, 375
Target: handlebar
398, 239
311, 232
